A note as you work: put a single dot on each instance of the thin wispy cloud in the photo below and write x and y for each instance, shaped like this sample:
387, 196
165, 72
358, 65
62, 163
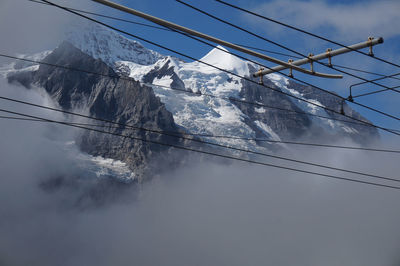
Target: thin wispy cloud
346, 21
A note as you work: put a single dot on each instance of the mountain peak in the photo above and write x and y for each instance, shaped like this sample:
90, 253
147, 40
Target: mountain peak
222, 58
110, 46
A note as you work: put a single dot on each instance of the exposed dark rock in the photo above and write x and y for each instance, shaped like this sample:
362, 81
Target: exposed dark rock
288, 125
165, 70
295, 125
362, 135
22, 77
111, 98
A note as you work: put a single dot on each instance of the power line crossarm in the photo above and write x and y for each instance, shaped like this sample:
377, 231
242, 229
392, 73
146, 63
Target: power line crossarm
321, 56
168, 24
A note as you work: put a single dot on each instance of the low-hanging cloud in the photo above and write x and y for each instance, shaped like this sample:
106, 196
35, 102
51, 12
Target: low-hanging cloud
353, 21
203, 214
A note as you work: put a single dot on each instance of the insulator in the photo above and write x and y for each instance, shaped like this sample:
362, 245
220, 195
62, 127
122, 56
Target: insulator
261, 77
371, 53
310, 55
328, 52
290, 61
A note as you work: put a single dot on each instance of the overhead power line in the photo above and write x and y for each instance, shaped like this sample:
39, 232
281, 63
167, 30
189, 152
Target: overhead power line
207, 152
214, 96
174, 134
170, 30
197, 94
192, 58
363, 71
307, 144
374, 92
303, 31
369, 81
381, 78
293, 51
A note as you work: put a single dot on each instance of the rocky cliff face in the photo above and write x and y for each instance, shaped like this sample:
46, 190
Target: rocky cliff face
353, 130
288, 125
115, 99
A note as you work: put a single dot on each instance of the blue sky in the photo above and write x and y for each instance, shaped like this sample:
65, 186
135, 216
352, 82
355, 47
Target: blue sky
345, 21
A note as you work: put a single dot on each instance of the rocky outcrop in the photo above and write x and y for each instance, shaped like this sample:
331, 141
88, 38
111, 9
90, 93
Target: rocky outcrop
288, 125
351, 128
165, 71
294, 124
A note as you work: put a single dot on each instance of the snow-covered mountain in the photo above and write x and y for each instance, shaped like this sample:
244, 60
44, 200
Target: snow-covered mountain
203, 99
211, 108
109, 46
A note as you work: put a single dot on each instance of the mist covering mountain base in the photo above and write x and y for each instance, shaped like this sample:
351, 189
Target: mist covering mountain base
72, 197
159, 108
